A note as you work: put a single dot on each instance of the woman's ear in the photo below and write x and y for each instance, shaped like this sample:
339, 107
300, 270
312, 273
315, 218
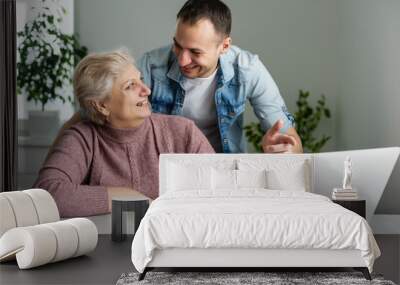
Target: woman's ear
100, 107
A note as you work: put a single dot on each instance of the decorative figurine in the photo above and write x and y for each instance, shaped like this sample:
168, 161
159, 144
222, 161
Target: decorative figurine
347, 174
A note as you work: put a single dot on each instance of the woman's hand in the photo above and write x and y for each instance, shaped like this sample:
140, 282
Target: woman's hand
122, 192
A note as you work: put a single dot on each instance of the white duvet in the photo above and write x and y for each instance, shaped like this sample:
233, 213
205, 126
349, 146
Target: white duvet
252, 218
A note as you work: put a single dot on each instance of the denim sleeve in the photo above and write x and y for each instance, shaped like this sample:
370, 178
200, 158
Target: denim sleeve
143, 64
267, 102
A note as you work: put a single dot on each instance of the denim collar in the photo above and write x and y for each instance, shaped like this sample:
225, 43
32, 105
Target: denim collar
174, 72
224, 74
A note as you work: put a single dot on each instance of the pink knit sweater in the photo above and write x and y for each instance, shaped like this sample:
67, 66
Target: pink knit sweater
90, 158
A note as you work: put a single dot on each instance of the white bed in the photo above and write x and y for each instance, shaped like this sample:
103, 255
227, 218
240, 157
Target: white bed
196, 224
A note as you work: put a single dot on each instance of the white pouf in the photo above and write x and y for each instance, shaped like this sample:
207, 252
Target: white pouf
31, 231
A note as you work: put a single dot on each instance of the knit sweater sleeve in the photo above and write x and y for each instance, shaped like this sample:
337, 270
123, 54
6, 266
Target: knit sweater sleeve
65, 173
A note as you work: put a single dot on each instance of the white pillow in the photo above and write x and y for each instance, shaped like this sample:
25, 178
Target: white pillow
223, 179
293, 179
282, 173
181, 178
251, 178
226, 179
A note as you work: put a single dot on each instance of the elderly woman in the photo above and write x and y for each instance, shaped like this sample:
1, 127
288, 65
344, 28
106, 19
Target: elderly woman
116, 151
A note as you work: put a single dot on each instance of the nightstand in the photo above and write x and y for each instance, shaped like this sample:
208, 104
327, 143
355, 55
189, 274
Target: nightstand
357, 206
122, 204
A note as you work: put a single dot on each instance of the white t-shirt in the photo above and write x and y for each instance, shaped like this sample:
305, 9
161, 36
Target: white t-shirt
199, 106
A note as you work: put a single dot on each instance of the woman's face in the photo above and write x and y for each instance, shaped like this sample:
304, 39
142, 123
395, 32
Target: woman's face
128, 104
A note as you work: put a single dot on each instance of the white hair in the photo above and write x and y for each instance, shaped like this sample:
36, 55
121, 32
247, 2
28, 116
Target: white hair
94, 78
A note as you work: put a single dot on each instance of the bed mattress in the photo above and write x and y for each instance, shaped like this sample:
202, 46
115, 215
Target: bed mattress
251, 219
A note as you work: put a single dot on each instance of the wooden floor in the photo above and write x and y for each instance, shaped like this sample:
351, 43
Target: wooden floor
110, 260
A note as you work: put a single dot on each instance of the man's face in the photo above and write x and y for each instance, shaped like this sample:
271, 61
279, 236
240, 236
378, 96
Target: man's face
198, 48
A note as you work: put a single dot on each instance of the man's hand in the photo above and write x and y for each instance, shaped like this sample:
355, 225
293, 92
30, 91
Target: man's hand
122, 192
276, 142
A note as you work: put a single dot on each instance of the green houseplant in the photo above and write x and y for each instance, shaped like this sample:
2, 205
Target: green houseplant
47, 56
307, 119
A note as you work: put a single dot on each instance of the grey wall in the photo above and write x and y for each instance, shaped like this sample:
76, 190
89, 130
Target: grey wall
368, 100
345, 49
105, 25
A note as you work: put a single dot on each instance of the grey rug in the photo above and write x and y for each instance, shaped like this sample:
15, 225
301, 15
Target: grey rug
243, 278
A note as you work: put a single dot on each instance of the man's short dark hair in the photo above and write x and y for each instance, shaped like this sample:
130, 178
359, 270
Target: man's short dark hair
215, 10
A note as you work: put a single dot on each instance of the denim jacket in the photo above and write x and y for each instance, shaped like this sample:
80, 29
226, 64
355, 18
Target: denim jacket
240, 77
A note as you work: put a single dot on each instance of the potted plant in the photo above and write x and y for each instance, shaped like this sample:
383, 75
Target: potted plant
307, 120
47, 57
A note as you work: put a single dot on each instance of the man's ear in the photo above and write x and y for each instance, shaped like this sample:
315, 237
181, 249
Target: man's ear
100, 107
226, 44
